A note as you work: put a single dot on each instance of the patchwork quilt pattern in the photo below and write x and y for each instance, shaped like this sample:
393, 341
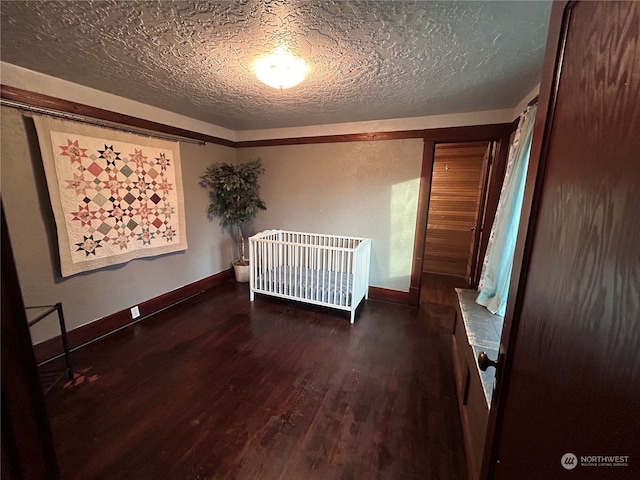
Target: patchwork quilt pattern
115, 196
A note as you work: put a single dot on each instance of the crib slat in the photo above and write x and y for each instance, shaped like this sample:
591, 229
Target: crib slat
257, 264
279, 270
335, 279
296, 264
339, 278
349, 278
325, 253
306, 271
289, 263
267, 274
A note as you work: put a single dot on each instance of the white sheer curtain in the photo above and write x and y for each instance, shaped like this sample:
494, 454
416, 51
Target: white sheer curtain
496, 270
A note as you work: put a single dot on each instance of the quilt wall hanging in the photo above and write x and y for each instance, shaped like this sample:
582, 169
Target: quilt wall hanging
115, 196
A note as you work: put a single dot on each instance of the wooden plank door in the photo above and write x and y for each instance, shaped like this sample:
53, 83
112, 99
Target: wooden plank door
567, 401
456, 187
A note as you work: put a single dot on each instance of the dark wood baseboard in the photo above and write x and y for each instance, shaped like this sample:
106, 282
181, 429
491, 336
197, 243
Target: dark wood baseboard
387, 295
78, 337
86, 334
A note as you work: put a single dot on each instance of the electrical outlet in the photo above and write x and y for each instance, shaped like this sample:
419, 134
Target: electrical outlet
135, 312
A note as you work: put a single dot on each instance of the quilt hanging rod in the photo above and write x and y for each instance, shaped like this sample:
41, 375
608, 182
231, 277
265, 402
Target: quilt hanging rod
99, 123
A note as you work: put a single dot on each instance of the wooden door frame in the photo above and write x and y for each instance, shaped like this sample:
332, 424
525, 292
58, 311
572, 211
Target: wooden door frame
556, 40
27, 443
476, 255
499, 133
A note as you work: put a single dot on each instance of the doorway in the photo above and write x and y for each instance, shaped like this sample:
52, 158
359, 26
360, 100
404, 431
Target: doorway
456, 208
498, 135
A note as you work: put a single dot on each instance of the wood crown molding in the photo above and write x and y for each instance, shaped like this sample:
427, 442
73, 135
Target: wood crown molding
350, 137
449, 134
65, 106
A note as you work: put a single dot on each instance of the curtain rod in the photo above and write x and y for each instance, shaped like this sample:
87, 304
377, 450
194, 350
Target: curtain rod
94, 121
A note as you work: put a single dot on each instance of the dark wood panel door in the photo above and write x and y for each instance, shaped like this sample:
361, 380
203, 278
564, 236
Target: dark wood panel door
569, 386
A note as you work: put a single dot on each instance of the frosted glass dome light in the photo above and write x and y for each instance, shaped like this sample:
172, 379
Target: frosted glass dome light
280, 69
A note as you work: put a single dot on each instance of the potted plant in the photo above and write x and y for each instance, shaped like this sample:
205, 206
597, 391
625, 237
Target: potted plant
235, 199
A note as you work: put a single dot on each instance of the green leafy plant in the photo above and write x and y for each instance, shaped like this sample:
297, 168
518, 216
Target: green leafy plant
234, 195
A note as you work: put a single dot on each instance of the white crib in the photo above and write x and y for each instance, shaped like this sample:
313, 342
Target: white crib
327, 270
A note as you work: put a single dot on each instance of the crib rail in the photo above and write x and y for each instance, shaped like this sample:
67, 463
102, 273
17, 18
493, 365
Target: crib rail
315, 239
327, 270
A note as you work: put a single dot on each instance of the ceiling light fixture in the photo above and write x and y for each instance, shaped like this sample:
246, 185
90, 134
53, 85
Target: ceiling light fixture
280, 69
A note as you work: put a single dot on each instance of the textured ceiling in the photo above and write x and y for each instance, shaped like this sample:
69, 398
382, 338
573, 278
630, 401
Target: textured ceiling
369, 60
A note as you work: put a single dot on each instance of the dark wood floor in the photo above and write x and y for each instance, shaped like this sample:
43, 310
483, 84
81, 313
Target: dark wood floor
438, 300
221, 388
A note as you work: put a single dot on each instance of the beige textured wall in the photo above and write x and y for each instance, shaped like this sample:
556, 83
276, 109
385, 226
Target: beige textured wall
87, 297
365, 189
